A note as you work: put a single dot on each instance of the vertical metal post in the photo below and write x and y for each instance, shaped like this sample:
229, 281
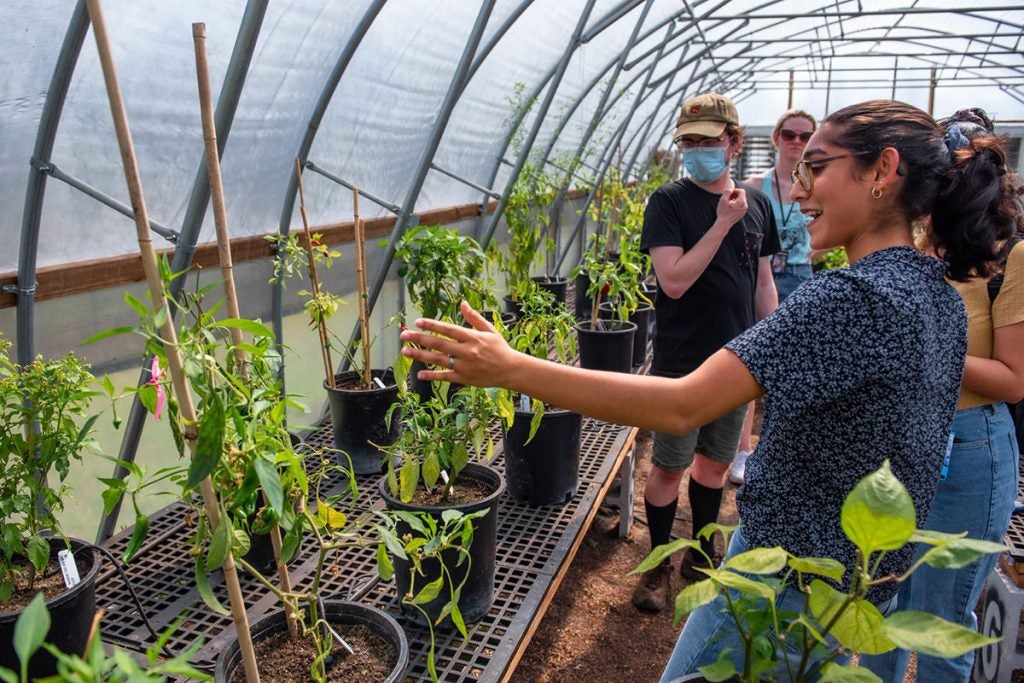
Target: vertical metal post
789, 99
555, 81
932, 84
406, 217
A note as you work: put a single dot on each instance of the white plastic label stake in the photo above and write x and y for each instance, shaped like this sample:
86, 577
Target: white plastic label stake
524, 403
379, 383
67, 567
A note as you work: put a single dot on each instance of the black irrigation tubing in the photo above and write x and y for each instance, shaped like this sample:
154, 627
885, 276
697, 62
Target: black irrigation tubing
131, 590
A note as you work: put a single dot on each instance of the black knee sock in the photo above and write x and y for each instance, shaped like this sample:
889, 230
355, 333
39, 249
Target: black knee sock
659, 521
704, 502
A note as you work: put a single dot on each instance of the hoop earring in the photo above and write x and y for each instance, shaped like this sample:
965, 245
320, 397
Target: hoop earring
876, 192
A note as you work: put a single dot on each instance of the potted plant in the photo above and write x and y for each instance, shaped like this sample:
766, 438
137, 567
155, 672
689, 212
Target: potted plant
607, 344
542, 444
441, 268
359, 399
835, 618
45, 424
432, 472
95, 664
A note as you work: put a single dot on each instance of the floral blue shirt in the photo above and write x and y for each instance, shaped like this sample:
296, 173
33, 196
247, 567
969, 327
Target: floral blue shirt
857, 365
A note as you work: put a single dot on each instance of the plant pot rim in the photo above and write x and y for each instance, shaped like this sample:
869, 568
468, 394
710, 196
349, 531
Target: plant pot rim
277, 615
609, 306
375, 372
87, 579
621, 327
472, 470
553, 279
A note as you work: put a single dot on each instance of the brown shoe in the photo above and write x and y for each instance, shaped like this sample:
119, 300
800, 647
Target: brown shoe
693, 560
651, 593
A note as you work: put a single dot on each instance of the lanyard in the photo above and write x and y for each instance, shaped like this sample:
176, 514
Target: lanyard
778, 193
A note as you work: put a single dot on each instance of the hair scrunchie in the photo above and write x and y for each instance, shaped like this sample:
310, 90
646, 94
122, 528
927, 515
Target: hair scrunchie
955, 139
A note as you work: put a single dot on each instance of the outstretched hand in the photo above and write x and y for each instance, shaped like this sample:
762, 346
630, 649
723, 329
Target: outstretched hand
477, 356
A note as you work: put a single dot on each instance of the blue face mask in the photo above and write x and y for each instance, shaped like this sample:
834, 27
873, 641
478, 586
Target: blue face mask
705, 165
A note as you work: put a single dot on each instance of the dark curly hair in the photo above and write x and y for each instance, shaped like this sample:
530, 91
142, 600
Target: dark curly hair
965, 191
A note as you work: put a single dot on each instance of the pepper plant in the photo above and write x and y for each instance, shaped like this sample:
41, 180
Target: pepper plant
45, 424
441, 268
836, 617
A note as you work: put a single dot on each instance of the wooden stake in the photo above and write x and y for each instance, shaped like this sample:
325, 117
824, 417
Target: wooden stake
364, 315
314, 282
220, 218
156, 290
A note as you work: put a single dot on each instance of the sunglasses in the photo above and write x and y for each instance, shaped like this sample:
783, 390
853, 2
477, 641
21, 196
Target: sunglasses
790, 135
805, 169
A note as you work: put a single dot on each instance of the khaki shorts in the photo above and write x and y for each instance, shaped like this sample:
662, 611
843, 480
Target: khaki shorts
716, 440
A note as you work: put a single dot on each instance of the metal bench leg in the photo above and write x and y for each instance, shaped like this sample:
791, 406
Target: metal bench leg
1001, 618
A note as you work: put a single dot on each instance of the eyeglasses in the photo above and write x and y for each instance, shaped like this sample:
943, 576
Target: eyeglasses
790, 135
805, 168
703, 143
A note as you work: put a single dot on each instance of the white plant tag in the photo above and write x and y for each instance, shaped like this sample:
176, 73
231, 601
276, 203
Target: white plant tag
524, 403
444, 476
380, 384
67, 567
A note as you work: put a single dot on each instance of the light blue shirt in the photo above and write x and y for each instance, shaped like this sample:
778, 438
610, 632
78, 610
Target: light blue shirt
792, 224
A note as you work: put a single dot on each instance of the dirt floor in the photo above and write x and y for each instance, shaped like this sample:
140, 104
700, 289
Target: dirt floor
591, 632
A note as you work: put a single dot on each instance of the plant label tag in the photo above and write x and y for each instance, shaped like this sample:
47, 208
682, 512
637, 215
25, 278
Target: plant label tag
68, 568
524, 403
376, 380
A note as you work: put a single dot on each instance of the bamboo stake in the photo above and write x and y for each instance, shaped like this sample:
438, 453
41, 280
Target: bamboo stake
364, 315
314, 282
220, 218
156, 290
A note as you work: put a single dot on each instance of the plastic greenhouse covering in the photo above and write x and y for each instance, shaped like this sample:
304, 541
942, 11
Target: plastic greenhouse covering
414, 102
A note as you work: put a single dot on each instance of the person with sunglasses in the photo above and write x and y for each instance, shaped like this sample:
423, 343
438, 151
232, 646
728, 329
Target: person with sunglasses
977, 486
710, 241
792, 264
858, 365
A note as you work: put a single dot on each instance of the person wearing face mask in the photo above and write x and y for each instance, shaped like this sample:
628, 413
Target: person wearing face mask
710, 240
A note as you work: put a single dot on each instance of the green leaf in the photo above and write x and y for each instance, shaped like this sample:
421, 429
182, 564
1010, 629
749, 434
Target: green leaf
408, 477
663, 552
960, 553
837, 673
270, 482
820, 566
460, 456
220, 544
38, 552
721, 670
741, 583
428, 592
693, 596
290, 543
253, 327
759, 561
457, 619
384, 567
931, 635
31, 629
106, 334
205, 591
210, 444
878, 514
431, 470
8, 676
858, 624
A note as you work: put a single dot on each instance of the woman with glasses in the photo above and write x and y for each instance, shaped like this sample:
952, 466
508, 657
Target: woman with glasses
858, 365
978, 480
792, 265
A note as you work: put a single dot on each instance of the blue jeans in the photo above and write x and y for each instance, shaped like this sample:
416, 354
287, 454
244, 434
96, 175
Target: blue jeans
791, 278
710, 629
977, 496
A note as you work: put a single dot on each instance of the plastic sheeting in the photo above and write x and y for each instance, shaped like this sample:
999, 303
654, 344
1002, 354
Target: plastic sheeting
377, 126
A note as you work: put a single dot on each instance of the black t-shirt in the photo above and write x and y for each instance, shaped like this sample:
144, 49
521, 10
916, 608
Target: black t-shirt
720, 304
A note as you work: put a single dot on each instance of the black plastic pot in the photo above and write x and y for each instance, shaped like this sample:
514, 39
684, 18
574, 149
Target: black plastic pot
71, 614
512, 306
544, 471
478, 591
555, 284
507, 319
424, 388
338, 612
358, 417
583, 302
641, 317
610, 348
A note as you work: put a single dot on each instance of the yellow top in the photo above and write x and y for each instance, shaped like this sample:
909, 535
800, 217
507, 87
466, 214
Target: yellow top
983, 316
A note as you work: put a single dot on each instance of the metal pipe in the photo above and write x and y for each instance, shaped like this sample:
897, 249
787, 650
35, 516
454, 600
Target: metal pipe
455, 176
393, 208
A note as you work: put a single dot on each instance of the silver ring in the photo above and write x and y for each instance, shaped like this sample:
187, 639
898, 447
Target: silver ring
451, 362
